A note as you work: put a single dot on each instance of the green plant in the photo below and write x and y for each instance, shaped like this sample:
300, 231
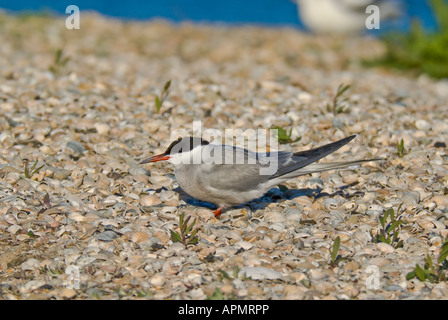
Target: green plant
28, 172
235, 273
433, 273
59, 62
338, 105
283, 136
400, 148
419, 51
216, 295
160, 99
389, 230
185, 229
334, 256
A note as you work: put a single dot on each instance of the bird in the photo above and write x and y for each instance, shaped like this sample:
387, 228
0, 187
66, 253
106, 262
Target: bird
229, 176
343, 17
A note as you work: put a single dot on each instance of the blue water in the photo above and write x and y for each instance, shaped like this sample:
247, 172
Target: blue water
261, 12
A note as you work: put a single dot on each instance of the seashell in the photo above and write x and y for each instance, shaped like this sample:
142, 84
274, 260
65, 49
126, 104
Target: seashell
302, 200
232, 234
76, 216
344, 236
12, 177
102, 128
274, 216
140, 237
436, 240
160, 180
110, 200
369, 197
194, 279
14, 228
168, 195
30, 265
107, 236
101, 148
293, 214
10, 218
425, 223
157, 281
350, 206
385, 247
410, 198
430, 205
350, 177
277, 226
422, 125
374, 210
135, 171
61, 174
76, 146
244, 244
330, 204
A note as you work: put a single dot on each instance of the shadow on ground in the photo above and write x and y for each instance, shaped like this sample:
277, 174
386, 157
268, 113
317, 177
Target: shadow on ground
274, 195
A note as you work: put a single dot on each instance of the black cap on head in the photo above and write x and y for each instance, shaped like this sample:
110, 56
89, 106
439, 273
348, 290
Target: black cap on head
184, 144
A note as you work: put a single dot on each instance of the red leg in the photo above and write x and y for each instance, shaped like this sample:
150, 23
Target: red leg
217, 212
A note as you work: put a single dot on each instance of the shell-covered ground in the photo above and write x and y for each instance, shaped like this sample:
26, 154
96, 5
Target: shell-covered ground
81, 219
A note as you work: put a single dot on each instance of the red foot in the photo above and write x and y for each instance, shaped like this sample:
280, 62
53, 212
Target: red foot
217, 212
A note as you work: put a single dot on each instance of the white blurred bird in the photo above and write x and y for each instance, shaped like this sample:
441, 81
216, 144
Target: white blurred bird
240, 180
343, 16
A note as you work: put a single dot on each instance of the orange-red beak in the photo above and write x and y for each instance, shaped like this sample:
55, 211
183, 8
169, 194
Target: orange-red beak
159, 157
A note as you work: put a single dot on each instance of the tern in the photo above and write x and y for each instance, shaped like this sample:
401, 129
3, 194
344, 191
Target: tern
240, 175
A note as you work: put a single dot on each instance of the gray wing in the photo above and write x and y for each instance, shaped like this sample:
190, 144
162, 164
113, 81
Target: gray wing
242, 169
301, 159
228, 177
232, 168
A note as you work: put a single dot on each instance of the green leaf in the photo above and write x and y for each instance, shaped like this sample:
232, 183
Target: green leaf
225, 274
236, 270
420, 273
217, 295
400, 148
58, 55
381, 238
428, 262
334, 252
183, 227
27, 172
181, 219
342, 88
175, 237
167, 86
443, 253
34, 165
389, 213
411, 275
382, 221
190, 227
193, 233
158, 104
395, 224
37, 170
193, 241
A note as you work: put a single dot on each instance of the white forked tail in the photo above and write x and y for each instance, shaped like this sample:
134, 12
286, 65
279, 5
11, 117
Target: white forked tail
319, 167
